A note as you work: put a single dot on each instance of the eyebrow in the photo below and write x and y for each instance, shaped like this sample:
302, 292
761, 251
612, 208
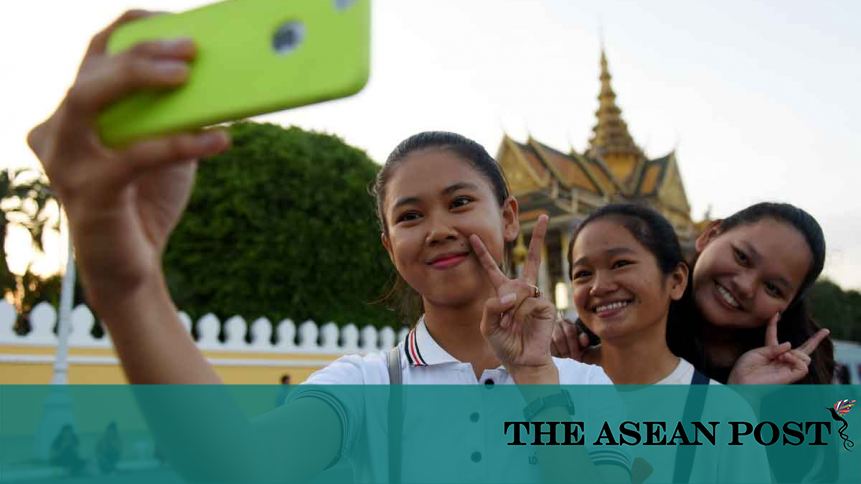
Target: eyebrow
756, 256
609, 252
445, 191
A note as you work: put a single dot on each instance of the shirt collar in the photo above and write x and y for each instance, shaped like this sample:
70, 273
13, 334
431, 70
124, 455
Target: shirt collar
422, 350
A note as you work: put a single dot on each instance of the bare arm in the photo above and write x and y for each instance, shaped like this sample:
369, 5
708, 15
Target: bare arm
122, 205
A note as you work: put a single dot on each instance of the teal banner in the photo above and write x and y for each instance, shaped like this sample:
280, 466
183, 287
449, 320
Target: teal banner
430, 434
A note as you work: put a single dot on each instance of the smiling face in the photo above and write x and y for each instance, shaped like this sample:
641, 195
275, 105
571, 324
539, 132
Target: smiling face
744, 276
434, 201
619, 290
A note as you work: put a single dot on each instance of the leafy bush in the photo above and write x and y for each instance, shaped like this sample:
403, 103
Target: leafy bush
836, 309
281, 226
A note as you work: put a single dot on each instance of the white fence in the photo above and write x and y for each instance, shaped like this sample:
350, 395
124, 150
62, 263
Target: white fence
308, 337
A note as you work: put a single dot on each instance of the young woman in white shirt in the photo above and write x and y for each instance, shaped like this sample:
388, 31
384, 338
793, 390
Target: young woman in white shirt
441, 201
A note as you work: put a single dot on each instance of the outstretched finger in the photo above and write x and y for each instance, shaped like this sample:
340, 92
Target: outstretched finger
536, 244
771, 331
497, 277
810, 345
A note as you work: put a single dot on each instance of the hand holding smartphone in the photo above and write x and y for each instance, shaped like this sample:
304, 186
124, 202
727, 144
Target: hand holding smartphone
253, 57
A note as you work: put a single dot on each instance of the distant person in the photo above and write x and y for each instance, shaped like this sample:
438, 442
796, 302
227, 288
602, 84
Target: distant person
284, 390
109, 449
64, 451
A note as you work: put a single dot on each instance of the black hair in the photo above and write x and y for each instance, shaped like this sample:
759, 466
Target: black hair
465, 148
796, 323
650, 229
404, 299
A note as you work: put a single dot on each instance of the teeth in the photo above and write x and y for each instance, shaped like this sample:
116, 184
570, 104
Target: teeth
728, 297
611, 306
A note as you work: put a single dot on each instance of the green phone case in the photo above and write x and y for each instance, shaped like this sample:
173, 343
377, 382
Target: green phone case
238, 72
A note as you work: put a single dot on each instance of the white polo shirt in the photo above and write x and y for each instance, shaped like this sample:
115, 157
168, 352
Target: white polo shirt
478, 453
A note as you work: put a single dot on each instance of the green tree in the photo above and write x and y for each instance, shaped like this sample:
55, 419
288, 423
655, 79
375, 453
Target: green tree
837, 310
25, 200
281, 226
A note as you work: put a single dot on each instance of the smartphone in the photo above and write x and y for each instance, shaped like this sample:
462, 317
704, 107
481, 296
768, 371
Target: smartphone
594, 340
253, 57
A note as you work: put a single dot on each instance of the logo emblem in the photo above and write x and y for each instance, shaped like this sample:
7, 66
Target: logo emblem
841, 408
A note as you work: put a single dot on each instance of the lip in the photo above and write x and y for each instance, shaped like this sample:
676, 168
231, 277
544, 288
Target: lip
447, 261
720, 299
611, 313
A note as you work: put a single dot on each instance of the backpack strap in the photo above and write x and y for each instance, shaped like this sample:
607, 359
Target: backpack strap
393, 362
693, 410
699, 378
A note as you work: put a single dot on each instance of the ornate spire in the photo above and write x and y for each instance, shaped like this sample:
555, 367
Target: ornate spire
610, 134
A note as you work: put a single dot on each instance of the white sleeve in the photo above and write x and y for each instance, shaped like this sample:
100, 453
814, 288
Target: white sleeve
573, 372
348, 403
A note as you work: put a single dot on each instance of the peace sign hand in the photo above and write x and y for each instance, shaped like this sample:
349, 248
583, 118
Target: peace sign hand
775, 363
518, 322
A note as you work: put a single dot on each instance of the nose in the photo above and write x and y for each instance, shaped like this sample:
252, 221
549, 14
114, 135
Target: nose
745, 284
602, 284
440, 230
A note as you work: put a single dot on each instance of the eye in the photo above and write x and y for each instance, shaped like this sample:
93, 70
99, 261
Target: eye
621, 263
461, 201
741, 257
407, 217
581, 274
773, 290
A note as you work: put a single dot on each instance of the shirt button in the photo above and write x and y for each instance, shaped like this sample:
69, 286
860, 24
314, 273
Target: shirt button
474, 417
476, 457
489, 382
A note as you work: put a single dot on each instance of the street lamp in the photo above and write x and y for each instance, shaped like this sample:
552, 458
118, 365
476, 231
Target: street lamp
58, 406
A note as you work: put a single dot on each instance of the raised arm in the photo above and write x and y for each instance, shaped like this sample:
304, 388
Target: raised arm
122, 205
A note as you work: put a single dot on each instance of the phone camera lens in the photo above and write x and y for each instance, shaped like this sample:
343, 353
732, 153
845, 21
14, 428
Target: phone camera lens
288, 37
344, 4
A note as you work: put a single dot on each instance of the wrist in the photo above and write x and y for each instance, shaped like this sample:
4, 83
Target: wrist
115, 302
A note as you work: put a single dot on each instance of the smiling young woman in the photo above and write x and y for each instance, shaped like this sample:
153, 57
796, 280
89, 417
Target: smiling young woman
627, 271
744, 317
749, 286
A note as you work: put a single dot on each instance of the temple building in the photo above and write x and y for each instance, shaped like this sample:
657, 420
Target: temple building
569, 186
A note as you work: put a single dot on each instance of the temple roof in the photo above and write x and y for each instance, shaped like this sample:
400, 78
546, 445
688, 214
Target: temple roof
613, 168
653, 175
610, 134
570, 172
